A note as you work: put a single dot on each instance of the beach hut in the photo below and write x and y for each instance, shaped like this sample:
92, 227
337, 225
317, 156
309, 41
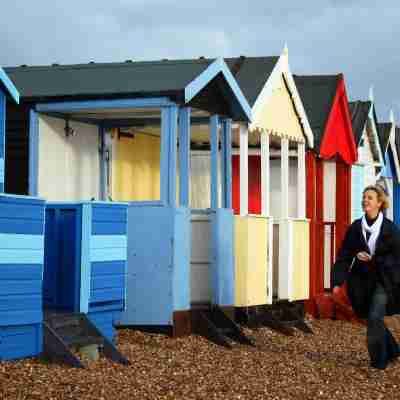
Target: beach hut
268, 180
83, 280
110, 131
21, 255
390, 174
370, 156
328, 169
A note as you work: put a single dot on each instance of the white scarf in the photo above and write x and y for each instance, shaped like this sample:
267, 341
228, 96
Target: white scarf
374, 230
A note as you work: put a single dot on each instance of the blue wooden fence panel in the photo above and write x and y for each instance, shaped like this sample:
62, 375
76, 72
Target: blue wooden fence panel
181, 260
21, 269
222, 275
91, 253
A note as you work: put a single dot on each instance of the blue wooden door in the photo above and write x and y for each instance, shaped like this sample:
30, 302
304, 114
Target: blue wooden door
357, 187
61, 277
396, 202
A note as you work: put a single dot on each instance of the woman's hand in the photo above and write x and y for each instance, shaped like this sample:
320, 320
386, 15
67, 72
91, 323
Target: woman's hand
364, 256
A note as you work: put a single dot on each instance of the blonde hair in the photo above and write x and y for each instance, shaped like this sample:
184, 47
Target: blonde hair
381, 193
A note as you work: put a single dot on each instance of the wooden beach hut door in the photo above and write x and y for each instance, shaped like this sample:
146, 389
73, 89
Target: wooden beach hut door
61, 277
333, 213
329, 218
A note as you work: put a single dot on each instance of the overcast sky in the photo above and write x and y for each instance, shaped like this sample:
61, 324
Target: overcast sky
358, 38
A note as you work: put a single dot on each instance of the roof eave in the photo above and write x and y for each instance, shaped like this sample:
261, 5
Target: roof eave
10, 88
200, 82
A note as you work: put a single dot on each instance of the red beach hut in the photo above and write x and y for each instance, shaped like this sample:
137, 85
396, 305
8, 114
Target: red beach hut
328, 202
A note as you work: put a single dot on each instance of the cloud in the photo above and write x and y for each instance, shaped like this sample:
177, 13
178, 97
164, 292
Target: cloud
355, 37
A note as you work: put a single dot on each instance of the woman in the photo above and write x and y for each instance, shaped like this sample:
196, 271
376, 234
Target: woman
369, 260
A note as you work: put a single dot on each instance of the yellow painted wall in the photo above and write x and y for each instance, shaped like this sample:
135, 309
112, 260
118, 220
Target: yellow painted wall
251, 260
136, 168
278, 113
301, 259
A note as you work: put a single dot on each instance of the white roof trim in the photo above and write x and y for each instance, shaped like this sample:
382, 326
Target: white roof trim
282, 69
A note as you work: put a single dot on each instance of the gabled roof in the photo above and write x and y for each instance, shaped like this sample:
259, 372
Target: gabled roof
181, 79
251, 74
359, 111
390, 145
317, 93
7, 86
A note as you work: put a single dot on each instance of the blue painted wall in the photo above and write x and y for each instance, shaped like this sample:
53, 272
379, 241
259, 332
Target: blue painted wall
357, 185
21, 269
223, 272
85, 260
158, 264
396, 202
2, 138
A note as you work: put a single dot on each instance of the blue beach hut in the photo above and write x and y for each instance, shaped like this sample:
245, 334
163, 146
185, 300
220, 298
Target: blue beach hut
116, 132
21, 256
390, 174
370, 155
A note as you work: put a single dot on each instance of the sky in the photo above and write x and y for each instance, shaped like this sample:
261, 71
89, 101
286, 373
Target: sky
357, 38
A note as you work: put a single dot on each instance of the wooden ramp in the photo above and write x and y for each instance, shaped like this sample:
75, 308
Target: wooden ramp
215, 325
66, 333
283, 317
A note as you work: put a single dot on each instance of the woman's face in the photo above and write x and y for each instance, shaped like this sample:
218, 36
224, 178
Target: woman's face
371, 204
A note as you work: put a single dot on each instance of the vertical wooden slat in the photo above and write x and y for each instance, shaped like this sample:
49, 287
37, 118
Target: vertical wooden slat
184, 156
244, 170
284, 178
33, 153
265, 174
311, 172
169, 122
320, 229
214, 122
226, 170
301, 181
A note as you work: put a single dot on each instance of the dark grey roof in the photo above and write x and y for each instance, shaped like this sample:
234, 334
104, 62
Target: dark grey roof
384, 134
359, 111
317, 93
251, 74
167, 76
106, 79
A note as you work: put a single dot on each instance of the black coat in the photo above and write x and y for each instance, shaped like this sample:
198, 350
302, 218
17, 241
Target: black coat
386, 267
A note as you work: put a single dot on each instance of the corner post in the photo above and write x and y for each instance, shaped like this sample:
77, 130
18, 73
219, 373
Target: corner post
169, 125
226, 165
265, 175
301, 180
244, 170
284, 178
184, 156
214, 123
33, 152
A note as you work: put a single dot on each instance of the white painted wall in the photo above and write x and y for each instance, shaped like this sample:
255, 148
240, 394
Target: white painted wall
275, 193
365, 158
200, 262
68, 167
329, 168
200, 179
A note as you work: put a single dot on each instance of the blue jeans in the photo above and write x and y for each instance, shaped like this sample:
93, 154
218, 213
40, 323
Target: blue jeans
382, 346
